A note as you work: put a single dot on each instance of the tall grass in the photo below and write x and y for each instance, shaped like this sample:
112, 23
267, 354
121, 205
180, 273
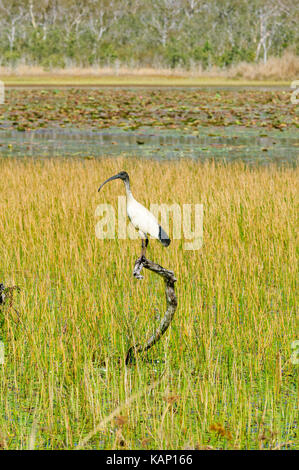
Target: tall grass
284, 68
220, 378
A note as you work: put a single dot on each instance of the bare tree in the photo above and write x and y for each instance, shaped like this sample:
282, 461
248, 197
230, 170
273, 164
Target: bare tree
269, 17
12, 15
164, 17
102, 14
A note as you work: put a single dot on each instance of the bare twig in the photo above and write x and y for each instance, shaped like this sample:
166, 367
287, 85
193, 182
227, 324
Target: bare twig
171, 302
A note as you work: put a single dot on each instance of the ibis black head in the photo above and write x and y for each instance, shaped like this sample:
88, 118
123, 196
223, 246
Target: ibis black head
123, 175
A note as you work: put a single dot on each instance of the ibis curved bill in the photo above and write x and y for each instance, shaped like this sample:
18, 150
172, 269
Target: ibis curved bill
142, 219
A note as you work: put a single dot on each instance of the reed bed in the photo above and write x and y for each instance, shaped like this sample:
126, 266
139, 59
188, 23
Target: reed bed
285, 68
221, 378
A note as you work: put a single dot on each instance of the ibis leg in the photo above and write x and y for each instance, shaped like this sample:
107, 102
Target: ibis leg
144, 244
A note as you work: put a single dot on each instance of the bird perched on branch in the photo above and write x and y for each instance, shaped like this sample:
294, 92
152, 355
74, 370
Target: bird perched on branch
141, 218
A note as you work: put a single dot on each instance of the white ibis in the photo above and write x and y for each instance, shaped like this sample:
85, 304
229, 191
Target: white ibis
142, 219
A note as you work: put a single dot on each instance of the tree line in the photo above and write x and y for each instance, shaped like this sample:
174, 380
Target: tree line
155, 33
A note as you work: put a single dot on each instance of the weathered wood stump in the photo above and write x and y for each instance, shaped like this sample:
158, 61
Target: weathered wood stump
171, 303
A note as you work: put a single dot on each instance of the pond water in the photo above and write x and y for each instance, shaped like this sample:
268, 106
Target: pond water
253, 146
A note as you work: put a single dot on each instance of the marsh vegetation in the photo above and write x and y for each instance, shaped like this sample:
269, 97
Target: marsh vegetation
222, 377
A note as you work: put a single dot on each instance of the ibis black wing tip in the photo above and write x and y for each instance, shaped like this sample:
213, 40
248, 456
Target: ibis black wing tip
166, 242
163, 237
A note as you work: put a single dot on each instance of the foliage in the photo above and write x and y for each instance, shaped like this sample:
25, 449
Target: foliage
169, 33
220, 378
164, 109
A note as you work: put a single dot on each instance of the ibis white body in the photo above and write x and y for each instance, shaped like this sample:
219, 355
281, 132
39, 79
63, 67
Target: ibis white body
141, 218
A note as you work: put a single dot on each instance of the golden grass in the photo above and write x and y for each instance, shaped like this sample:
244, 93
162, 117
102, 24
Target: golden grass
226, 358
278, 70
133, 81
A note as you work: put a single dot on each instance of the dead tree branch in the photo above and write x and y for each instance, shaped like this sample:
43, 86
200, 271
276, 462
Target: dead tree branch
171, 302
